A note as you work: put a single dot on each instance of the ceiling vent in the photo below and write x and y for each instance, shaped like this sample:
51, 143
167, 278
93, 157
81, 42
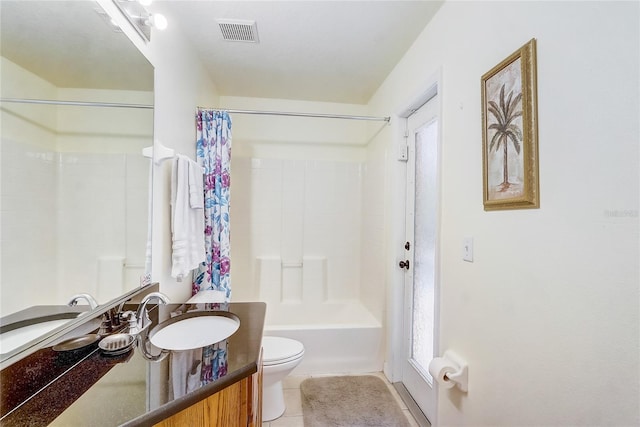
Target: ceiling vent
236, 30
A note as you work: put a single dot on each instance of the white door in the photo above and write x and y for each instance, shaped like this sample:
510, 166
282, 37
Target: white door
421, 250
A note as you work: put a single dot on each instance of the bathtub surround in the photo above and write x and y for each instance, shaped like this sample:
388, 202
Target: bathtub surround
296, 246
297, 225
110, 281
349, 401
90, 258
292, 282
74, 191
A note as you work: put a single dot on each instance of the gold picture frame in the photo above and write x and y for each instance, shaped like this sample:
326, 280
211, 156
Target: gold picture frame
510, 132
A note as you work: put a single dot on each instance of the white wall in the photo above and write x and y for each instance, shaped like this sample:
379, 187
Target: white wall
181, 85
547, 314
296, 137
374, 245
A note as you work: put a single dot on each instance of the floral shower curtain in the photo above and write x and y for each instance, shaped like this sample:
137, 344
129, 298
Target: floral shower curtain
213, 153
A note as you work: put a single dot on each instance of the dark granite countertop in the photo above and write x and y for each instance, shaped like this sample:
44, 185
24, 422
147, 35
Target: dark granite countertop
86, 387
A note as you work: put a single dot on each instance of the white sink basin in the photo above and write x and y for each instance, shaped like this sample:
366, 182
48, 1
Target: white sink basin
35, 328
194, 330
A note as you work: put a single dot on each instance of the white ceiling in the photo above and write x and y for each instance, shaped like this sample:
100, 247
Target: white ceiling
69, 44
335, 51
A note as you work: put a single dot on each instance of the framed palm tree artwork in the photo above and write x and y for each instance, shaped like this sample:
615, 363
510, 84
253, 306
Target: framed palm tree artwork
510, 132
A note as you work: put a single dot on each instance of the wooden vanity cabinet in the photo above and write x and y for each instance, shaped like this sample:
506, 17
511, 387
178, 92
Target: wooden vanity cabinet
237, 405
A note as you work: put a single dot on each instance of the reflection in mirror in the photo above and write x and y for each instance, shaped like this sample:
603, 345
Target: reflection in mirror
74, 185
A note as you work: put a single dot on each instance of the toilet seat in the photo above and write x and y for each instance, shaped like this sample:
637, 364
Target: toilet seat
279, 350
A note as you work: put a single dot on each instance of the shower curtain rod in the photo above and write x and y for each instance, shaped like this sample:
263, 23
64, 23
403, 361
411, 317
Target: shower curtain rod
314, 115
75, 103
232, 111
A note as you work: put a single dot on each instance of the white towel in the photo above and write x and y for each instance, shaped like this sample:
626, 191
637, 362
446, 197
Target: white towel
186, 368
187, 223
196, 193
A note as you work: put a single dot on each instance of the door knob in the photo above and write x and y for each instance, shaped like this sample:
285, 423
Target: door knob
404, 264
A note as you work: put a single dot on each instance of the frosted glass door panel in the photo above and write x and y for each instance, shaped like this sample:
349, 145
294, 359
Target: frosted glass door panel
424, 247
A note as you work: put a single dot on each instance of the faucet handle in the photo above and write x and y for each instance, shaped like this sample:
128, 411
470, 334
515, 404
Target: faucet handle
132, 322
106, 327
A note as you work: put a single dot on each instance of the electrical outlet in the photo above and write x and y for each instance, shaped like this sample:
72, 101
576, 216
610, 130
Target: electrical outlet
145, 279
467, 249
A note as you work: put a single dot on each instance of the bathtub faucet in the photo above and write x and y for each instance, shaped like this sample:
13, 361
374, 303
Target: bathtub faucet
91, 300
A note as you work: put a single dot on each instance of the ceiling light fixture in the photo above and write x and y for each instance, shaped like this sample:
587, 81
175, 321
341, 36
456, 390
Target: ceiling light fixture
108, 20
138, 16
158, 21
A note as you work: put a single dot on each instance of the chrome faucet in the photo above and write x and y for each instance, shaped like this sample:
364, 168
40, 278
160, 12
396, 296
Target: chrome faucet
142, 320
91, 300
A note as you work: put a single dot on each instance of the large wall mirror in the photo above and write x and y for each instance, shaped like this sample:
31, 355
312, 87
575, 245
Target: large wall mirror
74, 183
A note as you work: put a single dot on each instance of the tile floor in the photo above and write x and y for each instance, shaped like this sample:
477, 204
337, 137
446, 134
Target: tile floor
293, 414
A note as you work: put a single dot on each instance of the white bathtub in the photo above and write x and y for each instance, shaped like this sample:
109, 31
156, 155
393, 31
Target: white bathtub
341, 337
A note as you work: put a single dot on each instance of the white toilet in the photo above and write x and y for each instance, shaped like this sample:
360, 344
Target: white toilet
279, 357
